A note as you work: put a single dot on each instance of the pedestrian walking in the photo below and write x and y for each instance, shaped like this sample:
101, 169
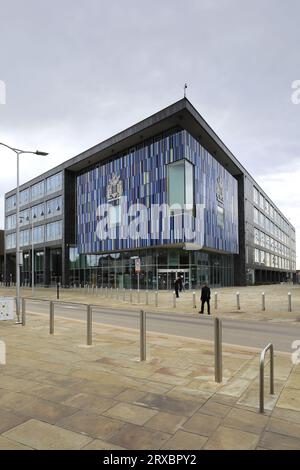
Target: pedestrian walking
205, 298
177, 286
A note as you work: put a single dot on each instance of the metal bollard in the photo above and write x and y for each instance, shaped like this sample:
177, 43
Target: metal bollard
138, 296
106, 291
216, 300
174, 300
270, 348
147, 297
263, 302
218, 350
117, 292
89, 325
238, 305
23, 312
289, 302
156, 299
124, 294
142, 335
131, 296
51, 326
97, 291
194, 300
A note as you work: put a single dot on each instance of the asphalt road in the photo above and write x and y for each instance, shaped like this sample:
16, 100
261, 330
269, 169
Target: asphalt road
237, 332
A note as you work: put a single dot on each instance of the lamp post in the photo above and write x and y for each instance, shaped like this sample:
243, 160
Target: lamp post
19, 152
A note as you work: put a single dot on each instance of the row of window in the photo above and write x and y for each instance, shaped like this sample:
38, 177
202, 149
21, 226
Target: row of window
260, 238
37, 213
272, 261
42, 233
50, 185
262, 202
269, 226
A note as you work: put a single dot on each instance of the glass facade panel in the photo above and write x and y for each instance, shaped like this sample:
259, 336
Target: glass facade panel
10, 203
54, 231
24, 197
38, 190
176, 183
39, 234
54, 207
54, 183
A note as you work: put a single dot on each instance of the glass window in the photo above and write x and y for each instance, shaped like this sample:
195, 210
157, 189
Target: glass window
256, 212
24, 197
10, 203
255, 195
24, 237
261, 201
10, 241
256, 255
54, 207
181, 184
38, 190
54, 183
54, 231
38, 212
220, 217
10, 222
39, 234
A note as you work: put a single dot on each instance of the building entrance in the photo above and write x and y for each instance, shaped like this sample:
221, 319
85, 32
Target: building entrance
167, 277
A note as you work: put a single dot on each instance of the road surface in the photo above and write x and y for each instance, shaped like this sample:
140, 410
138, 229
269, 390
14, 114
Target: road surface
237, 332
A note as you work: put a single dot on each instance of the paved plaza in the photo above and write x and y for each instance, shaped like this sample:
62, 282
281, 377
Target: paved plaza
276, 301
58, 393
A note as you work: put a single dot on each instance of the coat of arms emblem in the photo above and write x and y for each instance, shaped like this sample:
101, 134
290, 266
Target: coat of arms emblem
114, 188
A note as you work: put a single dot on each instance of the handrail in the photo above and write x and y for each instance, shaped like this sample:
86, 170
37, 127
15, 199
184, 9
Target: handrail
261, 374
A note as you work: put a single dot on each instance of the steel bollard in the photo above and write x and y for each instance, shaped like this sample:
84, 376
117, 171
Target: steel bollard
23, 312
289, 302
174, 300
218, 350
147, 297
51, 326
97, 291
131, 296
106, 291
117, 292
138, 296
238, 305
216, 300
156, 299
194, 300
142, 335
124, 294
263, 302
89, 325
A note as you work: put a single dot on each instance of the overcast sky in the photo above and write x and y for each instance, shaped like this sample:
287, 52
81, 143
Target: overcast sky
76, 72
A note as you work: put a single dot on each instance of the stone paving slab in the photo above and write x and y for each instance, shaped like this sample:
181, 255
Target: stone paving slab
105, 398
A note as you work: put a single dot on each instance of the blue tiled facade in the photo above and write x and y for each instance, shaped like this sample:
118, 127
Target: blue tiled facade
143, 173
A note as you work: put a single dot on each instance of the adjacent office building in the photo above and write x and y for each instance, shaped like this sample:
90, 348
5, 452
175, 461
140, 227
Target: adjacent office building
163, 198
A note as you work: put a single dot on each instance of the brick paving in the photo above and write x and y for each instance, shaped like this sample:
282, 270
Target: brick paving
58, 393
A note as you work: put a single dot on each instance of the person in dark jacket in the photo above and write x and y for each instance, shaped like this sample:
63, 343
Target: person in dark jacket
205, 298
177, 286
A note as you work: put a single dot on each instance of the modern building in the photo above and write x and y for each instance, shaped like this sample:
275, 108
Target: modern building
163, 198
1, 256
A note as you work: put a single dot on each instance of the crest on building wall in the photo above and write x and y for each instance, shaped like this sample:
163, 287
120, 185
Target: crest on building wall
220, 191
114, 189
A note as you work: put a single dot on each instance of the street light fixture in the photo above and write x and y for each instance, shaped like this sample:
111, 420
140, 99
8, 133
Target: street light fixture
19, 152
